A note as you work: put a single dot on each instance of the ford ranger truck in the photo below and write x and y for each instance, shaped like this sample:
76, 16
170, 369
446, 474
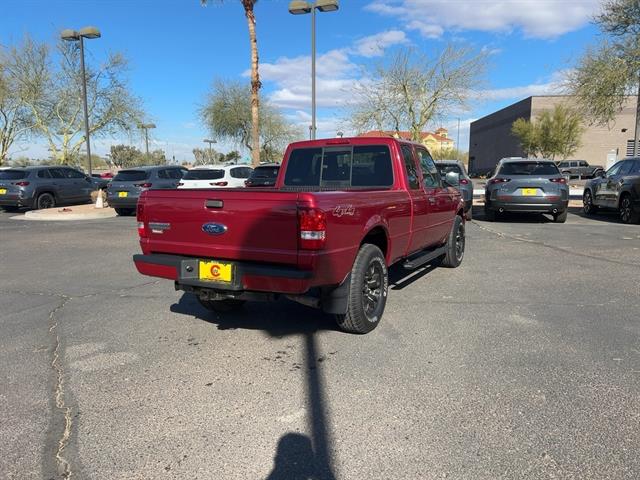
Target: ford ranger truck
341, 212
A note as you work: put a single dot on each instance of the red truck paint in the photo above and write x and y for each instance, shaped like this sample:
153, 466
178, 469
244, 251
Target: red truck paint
263, 226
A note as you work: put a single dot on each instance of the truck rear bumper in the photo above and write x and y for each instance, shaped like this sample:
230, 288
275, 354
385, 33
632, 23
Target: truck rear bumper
247, 276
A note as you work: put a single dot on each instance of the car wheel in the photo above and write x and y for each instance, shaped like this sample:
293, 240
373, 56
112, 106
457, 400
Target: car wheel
124, 212
587, 203
221, 306
455, 245
627, 215
489, 214
44, 201
560, 217
367, 292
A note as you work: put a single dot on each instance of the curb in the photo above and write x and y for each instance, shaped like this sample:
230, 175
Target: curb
58, 216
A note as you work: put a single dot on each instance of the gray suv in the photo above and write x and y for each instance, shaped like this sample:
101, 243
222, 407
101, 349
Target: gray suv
43, 187
125, 188
527, 185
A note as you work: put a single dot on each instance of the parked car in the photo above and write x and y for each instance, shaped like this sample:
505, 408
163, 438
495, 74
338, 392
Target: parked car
99, 182
263, 176
465, 185
579, 168
618, 188
41, 187
126, 186
527, 185
216, 176
342, 211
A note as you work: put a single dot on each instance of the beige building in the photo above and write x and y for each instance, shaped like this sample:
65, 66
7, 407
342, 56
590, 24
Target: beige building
434, 141
490, 137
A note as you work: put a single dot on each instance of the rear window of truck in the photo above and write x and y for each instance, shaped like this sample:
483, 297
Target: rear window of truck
131, 175
203, 174
340, 167
12, 174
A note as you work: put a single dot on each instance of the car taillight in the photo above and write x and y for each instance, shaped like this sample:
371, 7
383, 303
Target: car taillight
142, 231
312, 224
22, 184
558, 180
464, 181
493, 181
219, 184
143, 185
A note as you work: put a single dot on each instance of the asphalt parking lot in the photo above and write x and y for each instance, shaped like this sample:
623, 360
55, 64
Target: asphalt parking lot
524, 363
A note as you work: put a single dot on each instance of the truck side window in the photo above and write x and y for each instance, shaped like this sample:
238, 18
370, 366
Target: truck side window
429, 170
409, 164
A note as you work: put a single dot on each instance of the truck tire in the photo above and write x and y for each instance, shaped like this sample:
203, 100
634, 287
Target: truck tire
367, 293
221, 306
455, 245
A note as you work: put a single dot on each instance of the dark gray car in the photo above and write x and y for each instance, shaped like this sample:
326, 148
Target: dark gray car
465, 185
125, 188
527, 185
43, 187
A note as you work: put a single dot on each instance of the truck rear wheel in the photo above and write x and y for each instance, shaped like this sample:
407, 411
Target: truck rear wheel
455, 245
367, 293
221, 306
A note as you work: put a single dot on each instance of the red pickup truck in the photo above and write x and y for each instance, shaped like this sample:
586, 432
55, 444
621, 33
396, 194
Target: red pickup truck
341, 212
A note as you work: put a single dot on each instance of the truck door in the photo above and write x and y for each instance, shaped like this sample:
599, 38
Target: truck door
419, 206
439, 198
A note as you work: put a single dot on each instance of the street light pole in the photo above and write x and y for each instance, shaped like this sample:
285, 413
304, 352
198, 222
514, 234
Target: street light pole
206, 140
72, 35
146, 127
298, 7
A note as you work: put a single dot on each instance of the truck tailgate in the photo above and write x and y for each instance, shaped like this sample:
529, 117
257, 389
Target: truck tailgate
261, 225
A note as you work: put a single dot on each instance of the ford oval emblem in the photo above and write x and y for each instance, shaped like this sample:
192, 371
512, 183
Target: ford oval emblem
214, 228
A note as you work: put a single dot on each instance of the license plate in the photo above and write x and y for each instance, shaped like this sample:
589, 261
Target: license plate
529, 192
3, 191
122, 194
214, 271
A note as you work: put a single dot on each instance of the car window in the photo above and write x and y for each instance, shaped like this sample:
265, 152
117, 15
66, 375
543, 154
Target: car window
265, 172
563, 164
614, 169
204, 174
131, 175
71, 173
625, 168
176, 173
410, 166
529, 168
583, 163
57, 173
240, 172
12, 174
44, 173
573, 164
163, 174
444, 168
430, 175
635, 168
371, 166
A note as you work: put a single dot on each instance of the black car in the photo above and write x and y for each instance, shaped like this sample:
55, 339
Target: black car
263, 176
126, 186
618, 188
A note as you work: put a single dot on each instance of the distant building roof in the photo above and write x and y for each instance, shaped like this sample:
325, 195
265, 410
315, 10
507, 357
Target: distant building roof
406, 135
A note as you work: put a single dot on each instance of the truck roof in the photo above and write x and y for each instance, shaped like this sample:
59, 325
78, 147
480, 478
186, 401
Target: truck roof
330, 142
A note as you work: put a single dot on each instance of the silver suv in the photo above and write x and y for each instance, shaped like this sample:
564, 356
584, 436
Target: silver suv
43, 187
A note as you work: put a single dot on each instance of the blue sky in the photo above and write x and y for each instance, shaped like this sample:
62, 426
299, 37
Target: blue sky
176, 48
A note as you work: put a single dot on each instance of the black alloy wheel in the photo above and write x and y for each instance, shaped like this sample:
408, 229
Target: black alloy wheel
587, 203
44, 201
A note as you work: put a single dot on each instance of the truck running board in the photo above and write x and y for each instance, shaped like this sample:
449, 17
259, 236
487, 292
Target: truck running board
420, 258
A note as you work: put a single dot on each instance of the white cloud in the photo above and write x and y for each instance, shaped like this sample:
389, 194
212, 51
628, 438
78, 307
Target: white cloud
554, 85
536, 18
375, 45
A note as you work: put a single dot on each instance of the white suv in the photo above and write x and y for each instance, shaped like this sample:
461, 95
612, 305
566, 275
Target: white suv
215, 176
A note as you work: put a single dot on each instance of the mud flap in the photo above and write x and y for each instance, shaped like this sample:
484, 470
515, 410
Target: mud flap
336, 300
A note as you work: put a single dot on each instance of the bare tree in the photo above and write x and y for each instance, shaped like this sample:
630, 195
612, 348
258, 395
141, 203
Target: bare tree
53, 96
249, 13
413, 90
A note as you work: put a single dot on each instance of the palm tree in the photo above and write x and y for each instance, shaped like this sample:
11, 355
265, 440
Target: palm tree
248, 6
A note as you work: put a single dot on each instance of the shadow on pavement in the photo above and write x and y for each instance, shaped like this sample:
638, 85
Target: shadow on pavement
400, 278
298, 456
609, 216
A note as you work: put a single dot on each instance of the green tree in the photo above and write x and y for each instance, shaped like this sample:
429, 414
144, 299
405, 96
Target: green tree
232, 156
413, 90
228, 115
125, 156
554, 133
249, 13
607, 73
53, 95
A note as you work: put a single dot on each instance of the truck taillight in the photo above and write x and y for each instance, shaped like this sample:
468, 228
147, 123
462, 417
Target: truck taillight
312, 224
142, 231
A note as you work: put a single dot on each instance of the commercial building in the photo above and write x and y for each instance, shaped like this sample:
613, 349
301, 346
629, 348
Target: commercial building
491, 139
434, 141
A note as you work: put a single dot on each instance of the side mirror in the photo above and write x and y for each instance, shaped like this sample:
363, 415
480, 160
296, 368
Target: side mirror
452, 179
601, 173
